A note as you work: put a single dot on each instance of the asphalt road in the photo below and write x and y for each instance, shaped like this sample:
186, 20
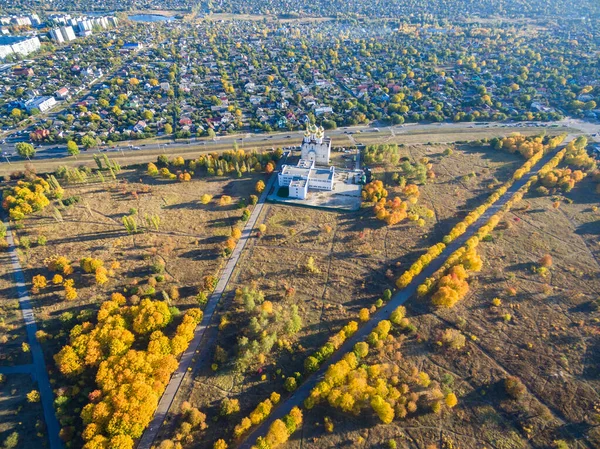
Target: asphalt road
39, 371
297, 398
193, 349
57, 151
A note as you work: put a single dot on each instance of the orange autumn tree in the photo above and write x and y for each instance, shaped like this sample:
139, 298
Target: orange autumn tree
518, 143
374, 191
130, 381
453, 287
397, 210
563, 179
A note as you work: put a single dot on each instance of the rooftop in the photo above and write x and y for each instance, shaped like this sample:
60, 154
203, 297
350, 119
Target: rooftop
298, 183
9, 40
304, 163
321, 173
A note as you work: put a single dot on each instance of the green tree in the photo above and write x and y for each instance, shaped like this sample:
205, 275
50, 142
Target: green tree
88, 142
25, 149
72, 148
11, 441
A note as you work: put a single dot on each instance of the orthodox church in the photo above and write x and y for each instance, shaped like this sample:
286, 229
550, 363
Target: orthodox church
315, 146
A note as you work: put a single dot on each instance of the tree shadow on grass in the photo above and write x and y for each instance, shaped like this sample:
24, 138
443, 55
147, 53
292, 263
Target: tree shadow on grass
91, 236
591, 228
199, 254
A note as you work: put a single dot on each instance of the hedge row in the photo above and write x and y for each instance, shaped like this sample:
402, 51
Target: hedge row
312, 363
258, 415
491, 224
460, 228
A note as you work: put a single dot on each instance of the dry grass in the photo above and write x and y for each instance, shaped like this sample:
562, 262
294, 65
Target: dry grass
357, 258
18, 415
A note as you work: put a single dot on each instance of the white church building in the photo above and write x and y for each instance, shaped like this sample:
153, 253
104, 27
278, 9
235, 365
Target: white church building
305, 175
315, 146
315, 149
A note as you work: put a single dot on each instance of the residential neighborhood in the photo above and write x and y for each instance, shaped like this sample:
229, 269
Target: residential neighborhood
132, 80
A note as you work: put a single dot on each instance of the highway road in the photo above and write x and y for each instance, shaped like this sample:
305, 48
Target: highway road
251, 140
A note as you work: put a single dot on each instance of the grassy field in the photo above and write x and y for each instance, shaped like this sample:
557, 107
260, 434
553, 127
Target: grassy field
545, 332
12, 328
188, 245
189, 240
548, 340
356, 256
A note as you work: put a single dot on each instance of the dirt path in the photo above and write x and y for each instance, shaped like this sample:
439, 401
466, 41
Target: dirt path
204, 329
297, 398
39, 372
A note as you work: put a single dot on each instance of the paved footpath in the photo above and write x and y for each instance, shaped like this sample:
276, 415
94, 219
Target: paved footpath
194, 347
297, 398
39, 371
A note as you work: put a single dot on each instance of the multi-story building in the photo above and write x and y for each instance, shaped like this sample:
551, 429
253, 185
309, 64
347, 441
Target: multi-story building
68, 33
63, 34
40, 103
305, 175
84, 25
56, 35
21, 21
22, 45
35, 20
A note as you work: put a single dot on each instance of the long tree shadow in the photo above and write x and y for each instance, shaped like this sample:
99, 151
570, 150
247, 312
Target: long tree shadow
199, 254
591, 228
91, 236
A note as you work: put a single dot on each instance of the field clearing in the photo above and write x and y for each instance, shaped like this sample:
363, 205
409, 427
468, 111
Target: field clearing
549, 341
356, 256
188, 244
441, 134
